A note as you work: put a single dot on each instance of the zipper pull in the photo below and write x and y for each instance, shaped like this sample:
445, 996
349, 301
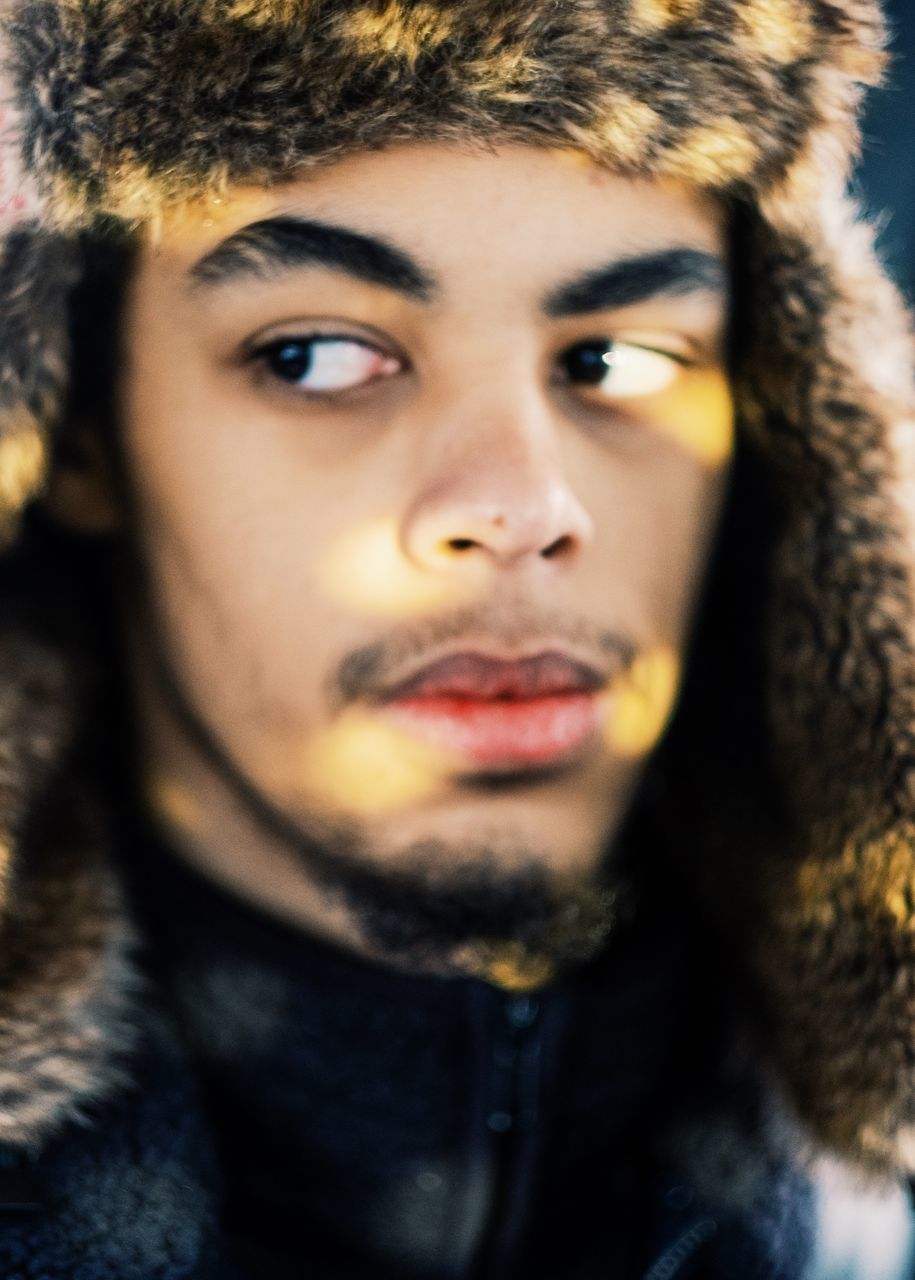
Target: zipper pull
521, 1012
677, 1259
515, 1058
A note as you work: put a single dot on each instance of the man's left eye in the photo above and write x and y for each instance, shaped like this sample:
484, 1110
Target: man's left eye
620, 370
326, 364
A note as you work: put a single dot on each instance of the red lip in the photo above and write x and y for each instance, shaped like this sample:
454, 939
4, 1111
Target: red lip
501, 713
478, 677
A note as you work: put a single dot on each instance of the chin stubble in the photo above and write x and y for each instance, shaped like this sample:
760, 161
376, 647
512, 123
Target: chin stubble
494, 912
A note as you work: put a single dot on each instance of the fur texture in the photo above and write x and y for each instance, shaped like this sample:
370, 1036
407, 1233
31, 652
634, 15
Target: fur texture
751, 99
709, 92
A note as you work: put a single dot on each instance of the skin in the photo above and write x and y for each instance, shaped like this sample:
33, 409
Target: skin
469, 491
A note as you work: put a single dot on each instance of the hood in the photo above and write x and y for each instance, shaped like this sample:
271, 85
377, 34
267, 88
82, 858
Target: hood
792, 822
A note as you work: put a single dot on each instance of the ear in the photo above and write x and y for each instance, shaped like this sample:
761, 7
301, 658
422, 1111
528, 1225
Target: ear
82, 493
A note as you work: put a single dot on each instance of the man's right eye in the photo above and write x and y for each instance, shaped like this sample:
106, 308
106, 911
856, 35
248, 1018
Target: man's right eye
323, 364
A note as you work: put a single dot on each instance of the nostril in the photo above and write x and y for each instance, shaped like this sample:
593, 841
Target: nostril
460, 544
560, 547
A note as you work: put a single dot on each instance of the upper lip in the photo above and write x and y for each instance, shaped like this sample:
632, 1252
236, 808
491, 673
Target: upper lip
473, 674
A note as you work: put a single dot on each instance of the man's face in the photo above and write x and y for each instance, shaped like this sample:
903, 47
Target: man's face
426, 449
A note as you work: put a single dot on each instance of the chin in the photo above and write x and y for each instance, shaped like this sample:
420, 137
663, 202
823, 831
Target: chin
461, 895
561, 843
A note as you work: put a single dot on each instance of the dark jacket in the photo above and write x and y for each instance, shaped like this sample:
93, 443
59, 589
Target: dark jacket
296, 1111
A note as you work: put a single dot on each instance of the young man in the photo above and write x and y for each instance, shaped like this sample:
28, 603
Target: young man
406, 409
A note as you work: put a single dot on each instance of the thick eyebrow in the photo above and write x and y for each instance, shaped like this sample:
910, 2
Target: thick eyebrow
264, 250
667, 273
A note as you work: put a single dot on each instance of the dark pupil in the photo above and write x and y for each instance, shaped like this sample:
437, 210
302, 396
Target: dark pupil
291, 360
588, 362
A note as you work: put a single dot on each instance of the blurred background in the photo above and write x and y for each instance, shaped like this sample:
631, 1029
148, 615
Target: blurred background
887, 175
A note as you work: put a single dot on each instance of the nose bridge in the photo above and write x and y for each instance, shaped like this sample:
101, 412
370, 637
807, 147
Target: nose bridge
494, 480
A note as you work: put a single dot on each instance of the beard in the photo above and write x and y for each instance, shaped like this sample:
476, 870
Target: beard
490, 909
516, 926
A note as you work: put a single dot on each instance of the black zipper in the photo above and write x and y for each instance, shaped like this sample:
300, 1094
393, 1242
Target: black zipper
513, 1104
677, 1258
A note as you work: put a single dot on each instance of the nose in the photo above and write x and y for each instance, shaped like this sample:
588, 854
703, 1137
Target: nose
497, 493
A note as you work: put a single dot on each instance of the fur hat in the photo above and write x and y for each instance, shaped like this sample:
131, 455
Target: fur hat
124, 107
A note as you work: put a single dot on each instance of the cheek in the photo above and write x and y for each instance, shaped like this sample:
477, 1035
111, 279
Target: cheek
698, 418
652, 547
655, 518
233, 534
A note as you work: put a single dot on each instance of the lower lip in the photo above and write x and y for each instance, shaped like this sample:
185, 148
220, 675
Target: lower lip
532, 731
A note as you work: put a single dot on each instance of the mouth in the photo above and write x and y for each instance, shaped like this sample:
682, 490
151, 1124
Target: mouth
498, 714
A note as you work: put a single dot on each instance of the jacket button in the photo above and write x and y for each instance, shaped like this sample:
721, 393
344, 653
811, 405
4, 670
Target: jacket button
521, 1012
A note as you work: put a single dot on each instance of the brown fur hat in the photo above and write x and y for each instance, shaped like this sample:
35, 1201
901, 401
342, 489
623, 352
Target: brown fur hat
127, 106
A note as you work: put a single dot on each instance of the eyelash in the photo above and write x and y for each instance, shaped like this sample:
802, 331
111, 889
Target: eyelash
261, 356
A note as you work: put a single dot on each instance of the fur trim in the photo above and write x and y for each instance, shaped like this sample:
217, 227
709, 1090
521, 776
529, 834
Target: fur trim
66, 982
709, 92
68, 1015
831, 911
37, 272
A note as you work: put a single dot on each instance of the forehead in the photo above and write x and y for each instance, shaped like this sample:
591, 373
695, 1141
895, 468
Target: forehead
538, 210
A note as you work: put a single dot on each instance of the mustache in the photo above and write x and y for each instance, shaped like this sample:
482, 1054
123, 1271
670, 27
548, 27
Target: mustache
367, 672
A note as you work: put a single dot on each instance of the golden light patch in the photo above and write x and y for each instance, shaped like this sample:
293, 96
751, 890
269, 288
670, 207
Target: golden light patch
655, 15
885, 876
136, 196
624, 128
197, 220
899, 904
175, 803
778, 29
139, 197
260, 13
698, 415
130, 194
366, 766
6, 864
502, 75
572, 155
368, 571
640, 704
23, 461
402, 31
715, 154
511, 968
878, 876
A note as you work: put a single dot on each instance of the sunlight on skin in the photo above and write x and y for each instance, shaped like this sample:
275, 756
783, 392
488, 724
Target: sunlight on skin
367, 570
194, 219
175, 803
372, 535
639, 707
393, 770
698, 415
